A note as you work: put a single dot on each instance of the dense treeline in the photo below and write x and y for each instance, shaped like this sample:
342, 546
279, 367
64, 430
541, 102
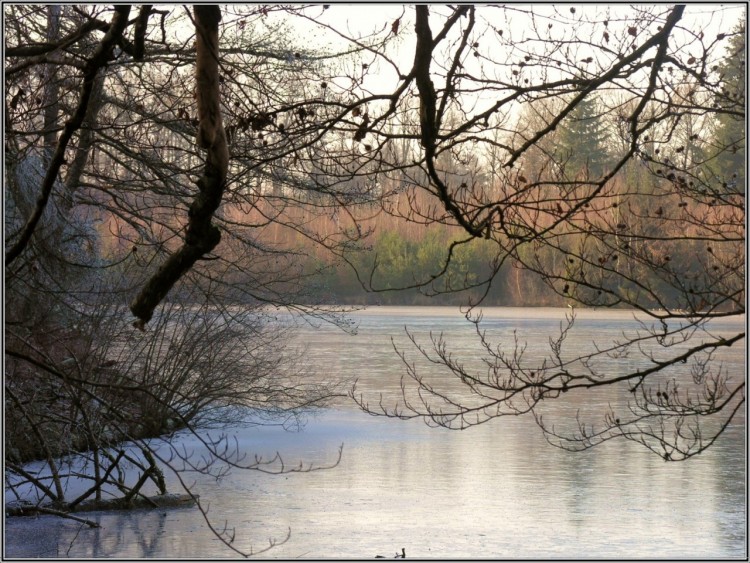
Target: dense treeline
403, 262
400, 255
157, 157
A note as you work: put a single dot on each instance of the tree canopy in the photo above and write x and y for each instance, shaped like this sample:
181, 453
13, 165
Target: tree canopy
159, 158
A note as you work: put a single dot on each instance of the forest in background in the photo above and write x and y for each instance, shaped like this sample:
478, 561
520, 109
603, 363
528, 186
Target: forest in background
401, 260
158, 155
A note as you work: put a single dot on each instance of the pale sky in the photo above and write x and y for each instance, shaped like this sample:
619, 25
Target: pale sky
363, 19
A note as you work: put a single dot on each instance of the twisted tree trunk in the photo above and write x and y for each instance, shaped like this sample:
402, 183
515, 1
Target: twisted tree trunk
201, 236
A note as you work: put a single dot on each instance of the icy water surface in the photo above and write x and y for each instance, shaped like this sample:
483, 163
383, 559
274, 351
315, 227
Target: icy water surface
494, 491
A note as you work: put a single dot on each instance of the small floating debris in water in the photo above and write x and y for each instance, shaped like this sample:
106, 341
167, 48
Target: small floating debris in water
401, 555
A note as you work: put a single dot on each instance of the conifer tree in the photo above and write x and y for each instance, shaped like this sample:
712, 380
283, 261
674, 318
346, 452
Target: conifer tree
729, 136
583, 140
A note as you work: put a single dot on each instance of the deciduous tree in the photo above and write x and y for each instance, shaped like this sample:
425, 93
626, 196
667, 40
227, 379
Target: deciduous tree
127, 184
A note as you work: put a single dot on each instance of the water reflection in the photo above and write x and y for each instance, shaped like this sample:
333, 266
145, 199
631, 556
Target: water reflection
495, 491
139, 532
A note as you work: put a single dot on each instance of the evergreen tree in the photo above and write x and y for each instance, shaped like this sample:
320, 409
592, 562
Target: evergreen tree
729, 136
582, 140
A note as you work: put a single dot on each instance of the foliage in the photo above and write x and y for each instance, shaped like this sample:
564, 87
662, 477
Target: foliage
730, 161
583, 141
517, 155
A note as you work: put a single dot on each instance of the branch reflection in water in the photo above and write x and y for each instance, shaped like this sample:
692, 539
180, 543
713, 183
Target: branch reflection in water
496, 490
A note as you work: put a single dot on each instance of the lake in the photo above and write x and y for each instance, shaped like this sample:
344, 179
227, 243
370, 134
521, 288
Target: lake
497, 490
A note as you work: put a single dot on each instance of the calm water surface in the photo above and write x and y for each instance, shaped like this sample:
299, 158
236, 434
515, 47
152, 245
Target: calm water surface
494, 491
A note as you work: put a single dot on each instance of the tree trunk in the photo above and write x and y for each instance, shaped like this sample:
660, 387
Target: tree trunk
201, 236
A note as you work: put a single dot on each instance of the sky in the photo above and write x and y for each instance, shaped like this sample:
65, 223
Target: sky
363, 19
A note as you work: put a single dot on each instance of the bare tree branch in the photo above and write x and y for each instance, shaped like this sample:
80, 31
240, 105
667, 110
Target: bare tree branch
99, 59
